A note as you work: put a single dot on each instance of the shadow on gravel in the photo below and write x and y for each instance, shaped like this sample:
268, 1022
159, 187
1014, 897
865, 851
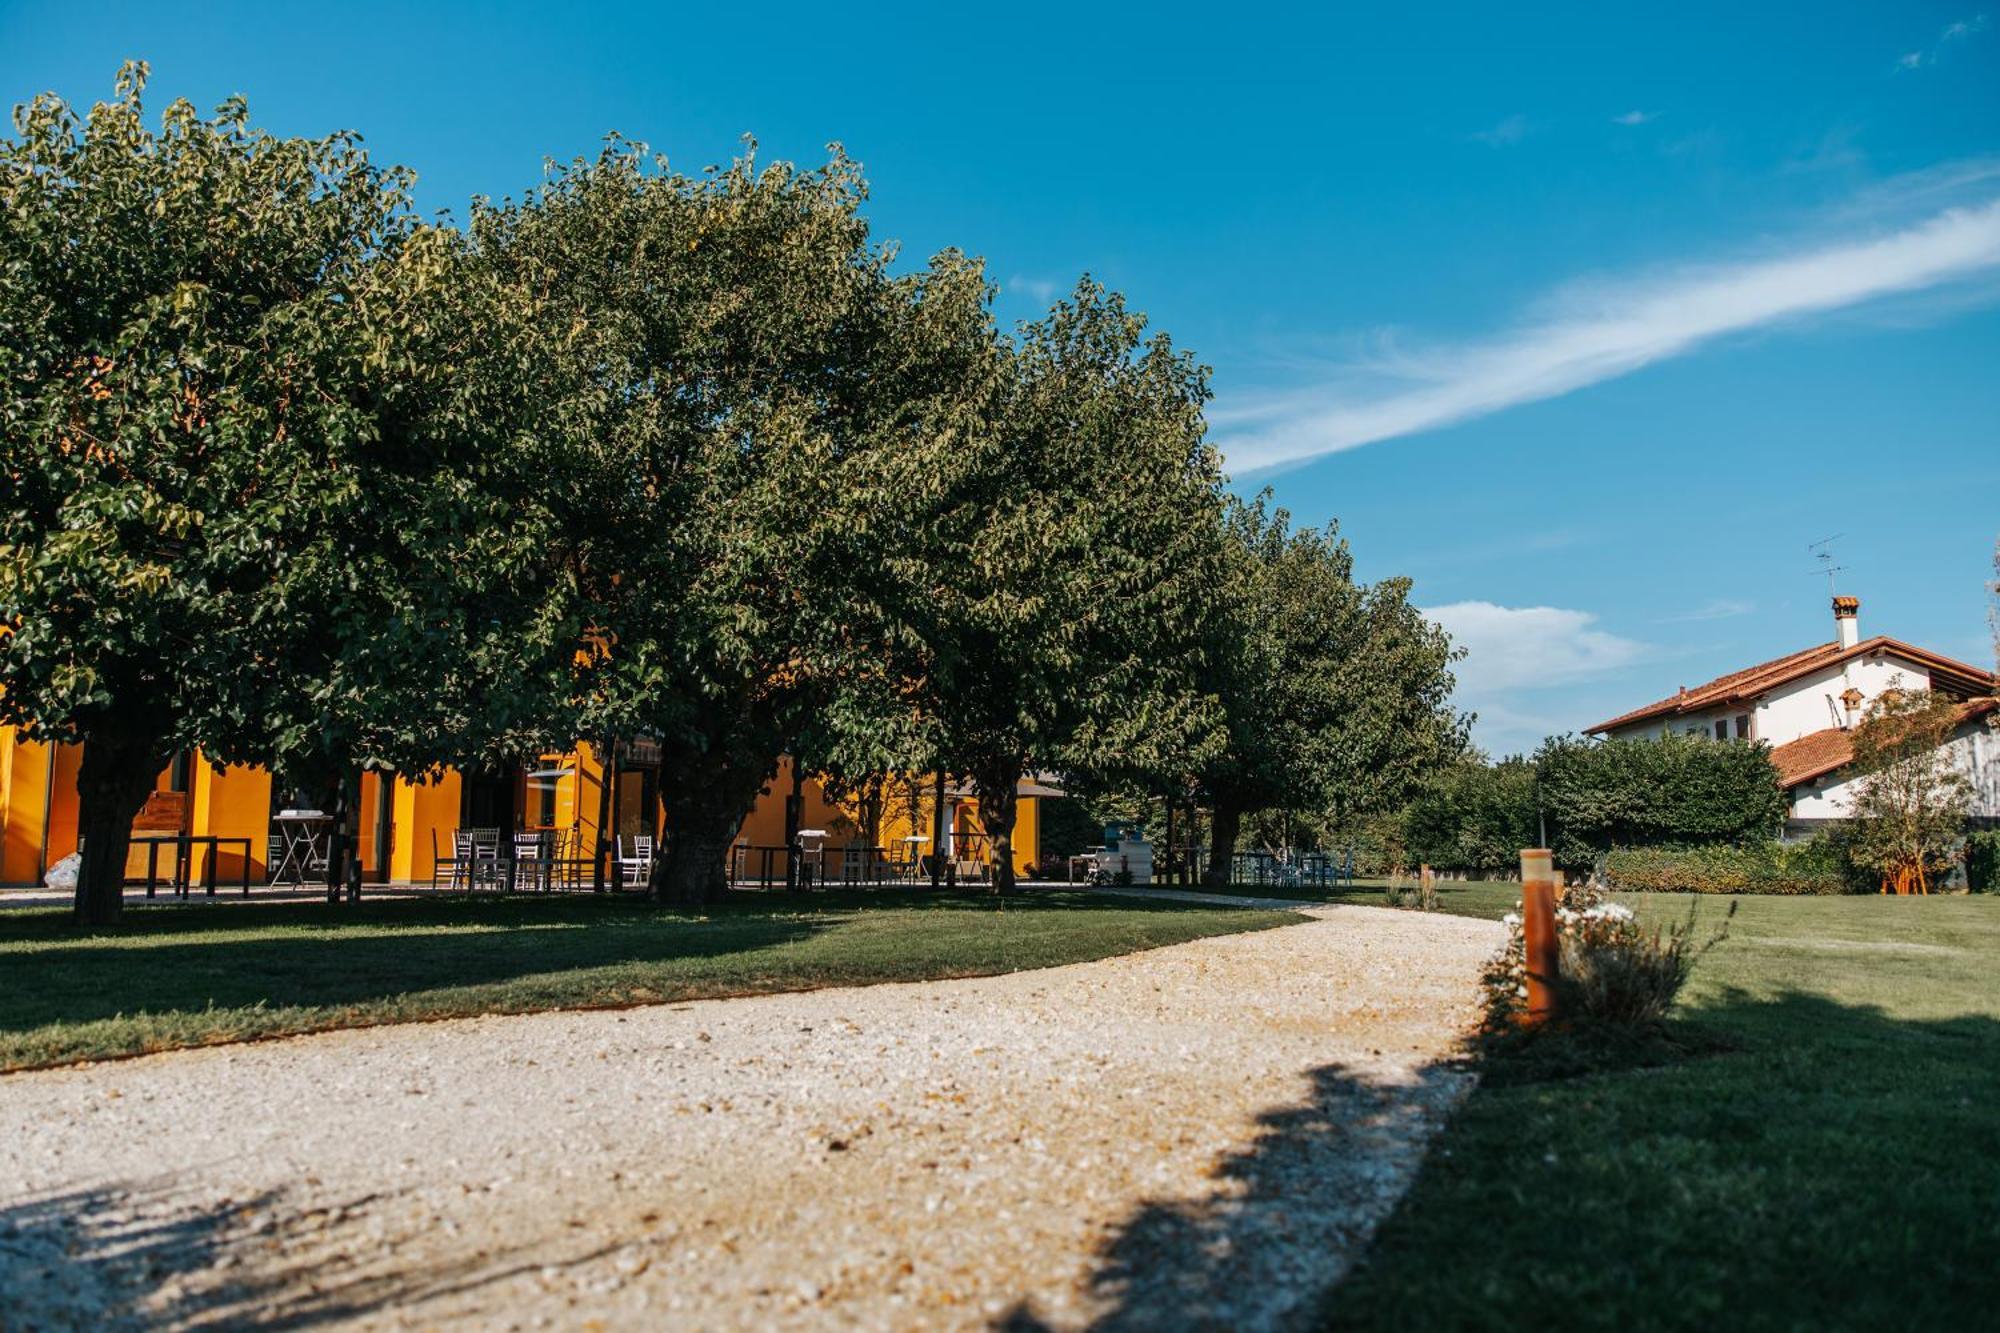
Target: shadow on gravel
1286, 1217
144, 1258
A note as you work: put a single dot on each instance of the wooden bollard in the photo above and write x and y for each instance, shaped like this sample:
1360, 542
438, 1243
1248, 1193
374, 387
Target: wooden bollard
1543, 950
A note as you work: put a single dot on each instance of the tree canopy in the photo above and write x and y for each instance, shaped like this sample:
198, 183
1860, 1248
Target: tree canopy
271, 494
299, 480
750, 402
1336, 695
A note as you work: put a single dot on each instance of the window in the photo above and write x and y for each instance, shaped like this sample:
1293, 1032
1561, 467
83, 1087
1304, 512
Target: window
1721, 729
1742, 726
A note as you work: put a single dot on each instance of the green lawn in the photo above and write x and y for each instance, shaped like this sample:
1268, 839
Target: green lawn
198, 975
1838, 1166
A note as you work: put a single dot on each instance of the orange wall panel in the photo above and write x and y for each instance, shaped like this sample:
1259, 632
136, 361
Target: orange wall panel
24, 807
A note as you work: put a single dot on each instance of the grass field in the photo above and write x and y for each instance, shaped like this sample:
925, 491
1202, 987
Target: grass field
199, 975
1836, 1165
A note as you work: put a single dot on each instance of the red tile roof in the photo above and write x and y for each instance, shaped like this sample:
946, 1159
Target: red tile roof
1811, 755
1745, 685
1818, 753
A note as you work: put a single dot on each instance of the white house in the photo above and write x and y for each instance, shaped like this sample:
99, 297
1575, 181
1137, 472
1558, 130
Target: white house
1805, 705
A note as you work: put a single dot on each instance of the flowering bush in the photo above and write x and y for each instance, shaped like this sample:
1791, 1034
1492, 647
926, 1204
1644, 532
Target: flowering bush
1614, 971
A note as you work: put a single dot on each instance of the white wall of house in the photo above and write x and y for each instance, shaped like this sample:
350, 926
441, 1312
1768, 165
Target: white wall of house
1812, 703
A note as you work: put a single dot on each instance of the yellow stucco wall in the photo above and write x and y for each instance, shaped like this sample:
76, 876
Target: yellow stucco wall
24, 807
38, 812
426, 814
232, 802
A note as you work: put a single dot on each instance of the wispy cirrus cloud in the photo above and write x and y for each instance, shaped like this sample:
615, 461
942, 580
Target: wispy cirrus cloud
1949, 35
1609, 329
1634, 117
1721, 608
1509, 131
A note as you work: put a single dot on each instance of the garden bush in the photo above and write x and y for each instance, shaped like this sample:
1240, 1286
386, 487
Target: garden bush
1815, 866
1674, 790
1982, 861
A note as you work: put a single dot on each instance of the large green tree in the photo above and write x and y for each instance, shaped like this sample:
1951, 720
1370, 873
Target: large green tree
258, 428
1336, 694
1473, 815
749, 399
1075, 556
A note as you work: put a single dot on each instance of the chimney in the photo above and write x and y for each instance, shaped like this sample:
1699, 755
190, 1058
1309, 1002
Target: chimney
1847, 619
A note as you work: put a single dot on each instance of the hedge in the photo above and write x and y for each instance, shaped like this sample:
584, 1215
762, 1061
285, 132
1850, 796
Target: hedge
1813, 866
1982, 861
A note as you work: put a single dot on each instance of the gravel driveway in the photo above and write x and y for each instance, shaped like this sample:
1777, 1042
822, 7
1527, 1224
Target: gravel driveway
1200, 1135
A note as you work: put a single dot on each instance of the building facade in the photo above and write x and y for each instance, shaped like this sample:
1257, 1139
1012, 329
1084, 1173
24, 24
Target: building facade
403, 826
1806, 705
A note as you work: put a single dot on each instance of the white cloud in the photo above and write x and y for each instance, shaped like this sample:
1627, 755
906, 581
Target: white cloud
1509, 131
1513, 651
1512, 647
1952, 32
1604, 331
1040, 290
1635, 117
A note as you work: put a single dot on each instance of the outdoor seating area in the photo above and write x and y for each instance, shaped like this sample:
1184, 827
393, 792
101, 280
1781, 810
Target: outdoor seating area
527, 861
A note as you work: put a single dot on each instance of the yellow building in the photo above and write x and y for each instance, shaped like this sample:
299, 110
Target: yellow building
403, 825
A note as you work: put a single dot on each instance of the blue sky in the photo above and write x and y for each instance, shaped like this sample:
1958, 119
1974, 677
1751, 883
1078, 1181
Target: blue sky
1588, 323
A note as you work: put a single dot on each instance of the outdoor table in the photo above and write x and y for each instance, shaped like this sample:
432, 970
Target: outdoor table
183, 868
300, 829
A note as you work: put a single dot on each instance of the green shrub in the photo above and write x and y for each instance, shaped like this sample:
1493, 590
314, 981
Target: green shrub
1982, 861
1671, 790
1811, 867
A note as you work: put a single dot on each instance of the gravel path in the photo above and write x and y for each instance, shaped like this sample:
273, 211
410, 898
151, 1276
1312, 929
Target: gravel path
1200, 1135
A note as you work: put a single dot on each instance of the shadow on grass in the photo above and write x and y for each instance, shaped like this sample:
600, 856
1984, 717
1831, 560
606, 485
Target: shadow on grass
150, 1256
1285, 1215
319, 964
197, 974
1835, 1167
1838, 1169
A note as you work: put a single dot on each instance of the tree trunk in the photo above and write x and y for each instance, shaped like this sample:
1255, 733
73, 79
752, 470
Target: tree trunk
1224, 826
795, 802
112, 784
869, 804
998, 785
607, 766
707, 800
937, 830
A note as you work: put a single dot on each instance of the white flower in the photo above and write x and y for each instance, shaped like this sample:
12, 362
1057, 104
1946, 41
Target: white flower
1511, 919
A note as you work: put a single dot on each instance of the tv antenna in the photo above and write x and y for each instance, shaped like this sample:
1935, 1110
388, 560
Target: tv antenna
1822, 551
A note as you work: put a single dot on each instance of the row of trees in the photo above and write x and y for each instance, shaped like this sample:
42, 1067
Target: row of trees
301, 481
